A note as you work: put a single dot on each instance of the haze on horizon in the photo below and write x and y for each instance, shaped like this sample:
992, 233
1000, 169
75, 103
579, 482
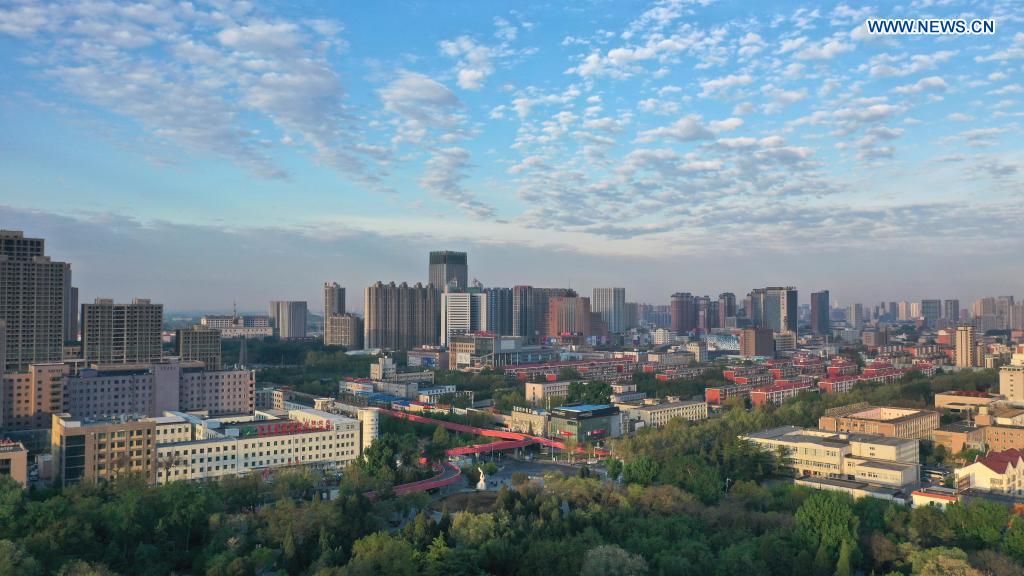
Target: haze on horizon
217, 152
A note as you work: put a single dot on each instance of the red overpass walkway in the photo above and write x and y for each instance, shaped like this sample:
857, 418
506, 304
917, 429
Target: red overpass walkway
488, 432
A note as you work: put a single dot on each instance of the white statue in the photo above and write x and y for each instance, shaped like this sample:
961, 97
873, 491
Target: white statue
482, 484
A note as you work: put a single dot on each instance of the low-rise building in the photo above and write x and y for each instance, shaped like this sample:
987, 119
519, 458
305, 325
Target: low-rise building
432, 357
94, 449
964, 401
528, 421
14, 461
659, 414
816, 455
610, 370
585, 422
779, 392
539, 392
882, 421
1001, 472
957, 436
999, 437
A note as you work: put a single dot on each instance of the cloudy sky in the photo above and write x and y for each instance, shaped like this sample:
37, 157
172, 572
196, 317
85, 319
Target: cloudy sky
204, 152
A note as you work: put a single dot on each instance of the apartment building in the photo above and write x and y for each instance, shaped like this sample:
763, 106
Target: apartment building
32, 302
882, 421
235, 326
200, 344
121, 333
31, 396
780, 392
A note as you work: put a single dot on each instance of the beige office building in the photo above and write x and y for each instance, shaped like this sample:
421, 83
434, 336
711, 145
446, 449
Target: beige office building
121, 333
538, 392
102, 448
882, 421
657, 415
1011, 383
14, 461
32, 302
200, 344
401, 317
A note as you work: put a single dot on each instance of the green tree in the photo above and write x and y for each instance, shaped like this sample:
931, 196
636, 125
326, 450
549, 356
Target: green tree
381, 553
640, 470
826, 519
14, 560
844, 566
941, 562
612, 560
1013, 539
440, 437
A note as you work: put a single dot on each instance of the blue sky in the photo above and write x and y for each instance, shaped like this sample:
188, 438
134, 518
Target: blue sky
702, 146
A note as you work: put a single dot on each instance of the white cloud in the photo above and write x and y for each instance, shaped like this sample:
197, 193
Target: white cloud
685, 129
723, 86
929, 84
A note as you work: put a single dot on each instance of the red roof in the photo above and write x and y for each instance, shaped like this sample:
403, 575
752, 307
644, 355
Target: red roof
998, 461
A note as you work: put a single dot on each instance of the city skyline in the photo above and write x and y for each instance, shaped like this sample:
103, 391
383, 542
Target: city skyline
579, 144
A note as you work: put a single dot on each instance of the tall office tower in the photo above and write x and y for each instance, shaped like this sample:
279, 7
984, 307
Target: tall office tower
31, 301
821, 306
704, 312
401, 317
757, 341
951, 312
344, 330
1017, 317
610, 303
632, 315
70, 307
726, 308
121, 333
931, 310
3, 364
903, 311
915, 310
334, 299
499, 311
288, 318
462, 312
775, 307
522, 313
569, 315
200, 343
893, 311
966, 347
855, 316
1004, 304
447, 267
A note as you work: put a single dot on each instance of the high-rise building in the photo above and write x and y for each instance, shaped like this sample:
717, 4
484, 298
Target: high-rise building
966, 347
288, 318
121, 333
70, 307
726, 308
499, 311
462, 312
915, 310
530, 311
344, 330
401, 317
610, 303
855, 316
632, 315
951, 312
569, 315
931, 310
757, 341
775, 308
448, 267
32, 301
903, 311
684, 310
202, 344
334, 299
821, 306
